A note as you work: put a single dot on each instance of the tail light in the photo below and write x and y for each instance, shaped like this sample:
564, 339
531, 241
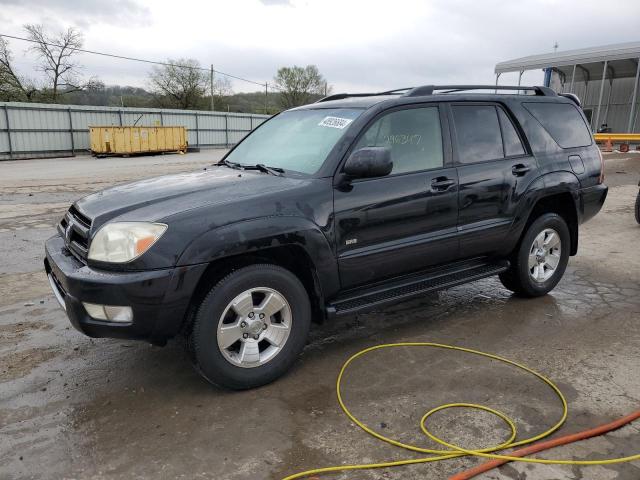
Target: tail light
601, 178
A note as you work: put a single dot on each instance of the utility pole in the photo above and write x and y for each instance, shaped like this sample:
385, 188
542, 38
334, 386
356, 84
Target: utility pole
266, 97
211, 88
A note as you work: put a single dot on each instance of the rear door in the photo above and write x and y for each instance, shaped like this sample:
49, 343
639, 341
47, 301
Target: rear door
405, 221
494, 170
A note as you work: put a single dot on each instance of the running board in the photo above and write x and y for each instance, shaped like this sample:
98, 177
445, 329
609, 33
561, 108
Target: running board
412, 286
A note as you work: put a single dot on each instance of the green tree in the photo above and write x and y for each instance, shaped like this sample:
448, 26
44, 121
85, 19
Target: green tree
13, 86
299, 85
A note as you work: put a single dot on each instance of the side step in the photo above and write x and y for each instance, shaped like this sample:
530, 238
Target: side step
411, 286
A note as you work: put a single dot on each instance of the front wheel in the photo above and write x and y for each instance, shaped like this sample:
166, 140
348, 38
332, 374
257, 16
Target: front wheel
541, 258
638, 208
251, 327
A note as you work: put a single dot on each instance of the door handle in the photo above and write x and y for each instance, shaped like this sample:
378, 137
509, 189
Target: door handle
442, 183
519, 169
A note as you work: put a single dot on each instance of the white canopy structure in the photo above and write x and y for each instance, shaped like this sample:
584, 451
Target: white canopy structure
616, 65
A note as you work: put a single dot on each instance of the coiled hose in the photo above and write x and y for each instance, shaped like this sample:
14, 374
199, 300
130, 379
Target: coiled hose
454, 451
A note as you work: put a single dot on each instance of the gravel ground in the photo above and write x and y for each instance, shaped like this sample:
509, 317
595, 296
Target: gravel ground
74, 407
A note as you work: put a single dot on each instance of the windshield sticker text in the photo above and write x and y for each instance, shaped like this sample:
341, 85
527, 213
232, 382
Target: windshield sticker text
335, 122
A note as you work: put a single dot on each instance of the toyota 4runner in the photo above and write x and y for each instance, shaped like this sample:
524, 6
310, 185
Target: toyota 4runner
328, 209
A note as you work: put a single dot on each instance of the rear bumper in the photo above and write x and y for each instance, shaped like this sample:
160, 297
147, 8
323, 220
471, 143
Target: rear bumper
591, 201
158, 298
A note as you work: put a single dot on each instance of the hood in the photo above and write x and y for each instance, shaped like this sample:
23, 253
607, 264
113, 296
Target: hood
156, 198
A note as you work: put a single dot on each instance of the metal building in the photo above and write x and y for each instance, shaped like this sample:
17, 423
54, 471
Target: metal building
604, 78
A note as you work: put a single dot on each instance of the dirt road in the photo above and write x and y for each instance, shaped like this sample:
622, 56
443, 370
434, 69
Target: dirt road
73, 407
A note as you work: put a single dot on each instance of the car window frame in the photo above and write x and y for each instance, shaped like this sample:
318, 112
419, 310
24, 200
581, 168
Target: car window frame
496, 105
447, 159
516, 127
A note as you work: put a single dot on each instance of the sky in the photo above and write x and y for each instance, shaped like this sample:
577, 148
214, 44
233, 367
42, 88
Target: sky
358, 45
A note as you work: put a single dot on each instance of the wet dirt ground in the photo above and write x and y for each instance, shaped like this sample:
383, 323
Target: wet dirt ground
74, 407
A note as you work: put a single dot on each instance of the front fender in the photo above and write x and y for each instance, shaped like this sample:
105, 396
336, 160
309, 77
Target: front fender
253, 235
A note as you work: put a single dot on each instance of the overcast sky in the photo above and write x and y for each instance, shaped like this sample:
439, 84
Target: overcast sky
359, 45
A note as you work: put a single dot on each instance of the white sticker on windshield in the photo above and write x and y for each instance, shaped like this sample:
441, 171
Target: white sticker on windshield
335, 122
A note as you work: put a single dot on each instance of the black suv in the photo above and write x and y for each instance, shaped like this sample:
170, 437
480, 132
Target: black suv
328, 209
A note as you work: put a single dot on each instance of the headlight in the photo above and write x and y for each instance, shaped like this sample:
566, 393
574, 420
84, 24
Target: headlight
122, 242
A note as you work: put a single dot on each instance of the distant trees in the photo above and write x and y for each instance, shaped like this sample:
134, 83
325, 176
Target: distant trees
299, 85
185, 84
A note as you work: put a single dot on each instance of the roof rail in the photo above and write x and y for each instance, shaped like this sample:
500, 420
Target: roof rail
430, 89
425, 90
340, 96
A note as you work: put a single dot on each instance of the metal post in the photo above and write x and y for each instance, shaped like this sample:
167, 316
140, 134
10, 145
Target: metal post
197, 132
604, 76
226, 131
520, 77
632, 108
211, 86
250, 123
573, 79
161, 119
120, 116
6, 118
73, 149
497, 77
266, 97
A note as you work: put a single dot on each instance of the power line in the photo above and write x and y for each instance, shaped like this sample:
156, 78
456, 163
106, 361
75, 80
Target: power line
133, 59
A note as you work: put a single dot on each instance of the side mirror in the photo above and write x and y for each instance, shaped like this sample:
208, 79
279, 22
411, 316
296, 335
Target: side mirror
369, 162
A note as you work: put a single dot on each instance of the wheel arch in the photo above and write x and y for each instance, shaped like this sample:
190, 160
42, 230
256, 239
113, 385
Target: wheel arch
299, 246
554, 193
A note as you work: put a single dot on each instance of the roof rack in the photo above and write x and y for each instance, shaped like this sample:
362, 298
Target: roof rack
430, 89
425, 90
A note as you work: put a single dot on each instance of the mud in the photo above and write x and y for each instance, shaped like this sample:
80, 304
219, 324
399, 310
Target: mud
73, 407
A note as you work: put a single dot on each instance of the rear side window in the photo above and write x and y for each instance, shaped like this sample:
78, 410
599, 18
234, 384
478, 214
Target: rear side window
563, 122
512, 144
413, 136
477, 132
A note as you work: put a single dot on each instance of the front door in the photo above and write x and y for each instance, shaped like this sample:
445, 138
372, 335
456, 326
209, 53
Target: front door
405, 221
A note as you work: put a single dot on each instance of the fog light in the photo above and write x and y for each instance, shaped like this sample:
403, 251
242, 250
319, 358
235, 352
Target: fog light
109, 312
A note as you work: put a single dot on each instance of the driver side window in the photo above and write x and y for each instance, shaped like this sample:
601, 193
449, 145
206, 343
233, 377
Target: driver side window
413, 135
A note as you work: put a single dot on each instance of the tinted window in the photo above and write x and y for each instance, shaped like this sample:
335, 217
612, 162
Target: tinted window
512, 144
413, 135
478, 133
563, 122
297, 140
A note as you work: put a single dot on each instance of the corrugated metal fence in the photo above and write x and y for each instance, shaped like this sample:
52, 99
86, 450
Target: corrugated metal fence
36, 130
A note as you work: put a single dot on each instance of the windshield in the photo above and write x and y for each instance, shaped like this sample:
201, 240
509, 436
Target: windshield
297, 140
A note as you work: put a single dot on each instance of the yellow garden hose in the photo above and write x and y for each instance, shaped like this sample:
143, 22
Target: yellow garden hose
454, 451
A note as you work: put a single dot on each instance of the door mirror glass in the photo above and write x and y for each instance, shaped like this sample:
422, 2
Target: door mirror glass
369, 162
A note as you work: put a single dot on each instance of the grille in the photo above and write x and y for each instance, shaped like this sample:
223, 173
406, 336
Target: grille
74, 228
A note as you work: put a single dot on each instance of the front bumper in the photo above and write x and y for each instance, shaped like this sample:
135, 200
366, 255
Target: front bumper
159, 298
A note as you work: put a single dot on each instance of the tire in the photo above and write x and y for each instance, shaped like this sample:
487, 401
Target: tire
549, 263
250, 363
638, 208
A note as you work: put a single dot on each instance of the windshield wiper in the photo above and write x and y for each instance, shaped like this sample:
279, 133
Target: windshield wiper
229, 164
272, 170
258, 166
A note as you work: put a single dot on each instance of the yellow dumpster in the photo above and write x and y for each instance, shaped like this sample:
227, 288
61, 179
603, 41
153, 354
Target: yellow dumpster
134, 140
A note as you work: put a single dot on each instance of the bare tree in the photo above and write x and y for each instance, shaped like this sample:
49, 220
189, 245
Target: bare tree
221, 89
13, 87
182, 83
299, 85
57, 54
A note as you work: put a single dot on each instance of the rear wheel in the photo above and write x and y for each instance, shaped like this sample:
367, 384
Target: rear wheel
638, 208
251, 327
541, 258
